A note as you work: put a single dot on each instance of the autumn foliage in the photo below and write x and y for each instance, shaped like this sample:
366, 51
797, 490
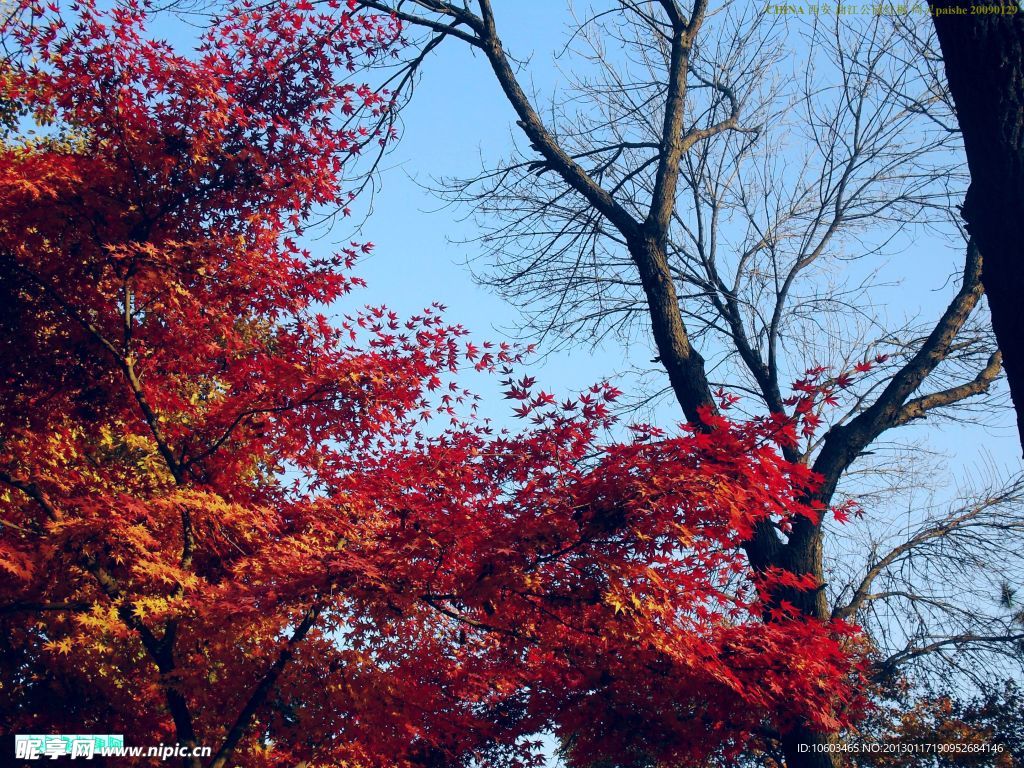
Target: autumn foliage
228, 520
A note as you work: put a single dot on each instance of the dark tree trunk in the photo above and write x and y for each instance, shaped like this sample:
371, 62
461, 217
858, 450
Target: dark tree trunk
804, 748
684, 365
984, 59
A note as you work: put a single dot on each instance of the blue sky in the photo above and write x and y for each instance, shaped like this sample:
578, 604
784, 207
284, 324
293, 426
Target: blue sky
456, 116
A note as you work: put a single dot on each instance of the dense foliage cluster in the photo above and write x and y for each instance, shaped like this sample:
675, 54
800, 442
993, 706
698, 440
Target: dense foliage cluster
229, 521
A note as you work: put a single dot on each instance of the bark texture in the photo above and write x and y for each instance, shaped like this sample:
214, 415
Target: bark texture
983, 54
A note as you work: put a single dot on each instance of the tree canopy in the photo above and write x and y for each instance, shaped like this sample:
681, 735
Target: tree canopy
230, 522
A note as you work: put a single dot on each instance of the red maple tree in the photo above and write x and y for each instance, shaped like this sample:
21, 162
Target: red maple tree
224, 520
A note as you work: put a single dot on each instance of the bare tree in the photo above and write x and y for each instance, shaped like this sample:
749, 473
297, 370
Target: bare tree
687, 184
938, 585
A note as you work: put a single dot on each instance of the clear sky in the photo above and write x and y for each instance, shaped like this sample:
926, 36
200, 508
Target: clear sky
457, 115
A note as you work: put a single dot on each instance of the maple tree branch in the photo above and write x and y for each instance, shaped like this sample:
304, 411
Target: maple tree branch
15, 527
188, 540
127, 317
34, 492
152, 420
264, 687
125, 361
240, 418
432, 602
109, 586
159, 650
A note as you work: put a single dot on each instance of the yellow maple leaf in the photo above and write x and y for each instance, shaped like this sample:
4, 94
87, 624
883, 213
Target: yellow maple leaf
60, 646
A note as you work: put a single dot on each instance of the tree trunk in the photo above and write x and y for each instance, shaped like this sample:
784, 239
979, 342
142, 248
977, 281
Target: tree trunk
984, 58
804, 748
684, 365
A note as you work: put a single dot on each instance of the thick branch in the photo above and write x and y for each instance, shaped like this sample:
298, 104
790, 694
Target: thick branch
843, 443
264, 687
919, 406
460, 17
541, 139
673, 141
